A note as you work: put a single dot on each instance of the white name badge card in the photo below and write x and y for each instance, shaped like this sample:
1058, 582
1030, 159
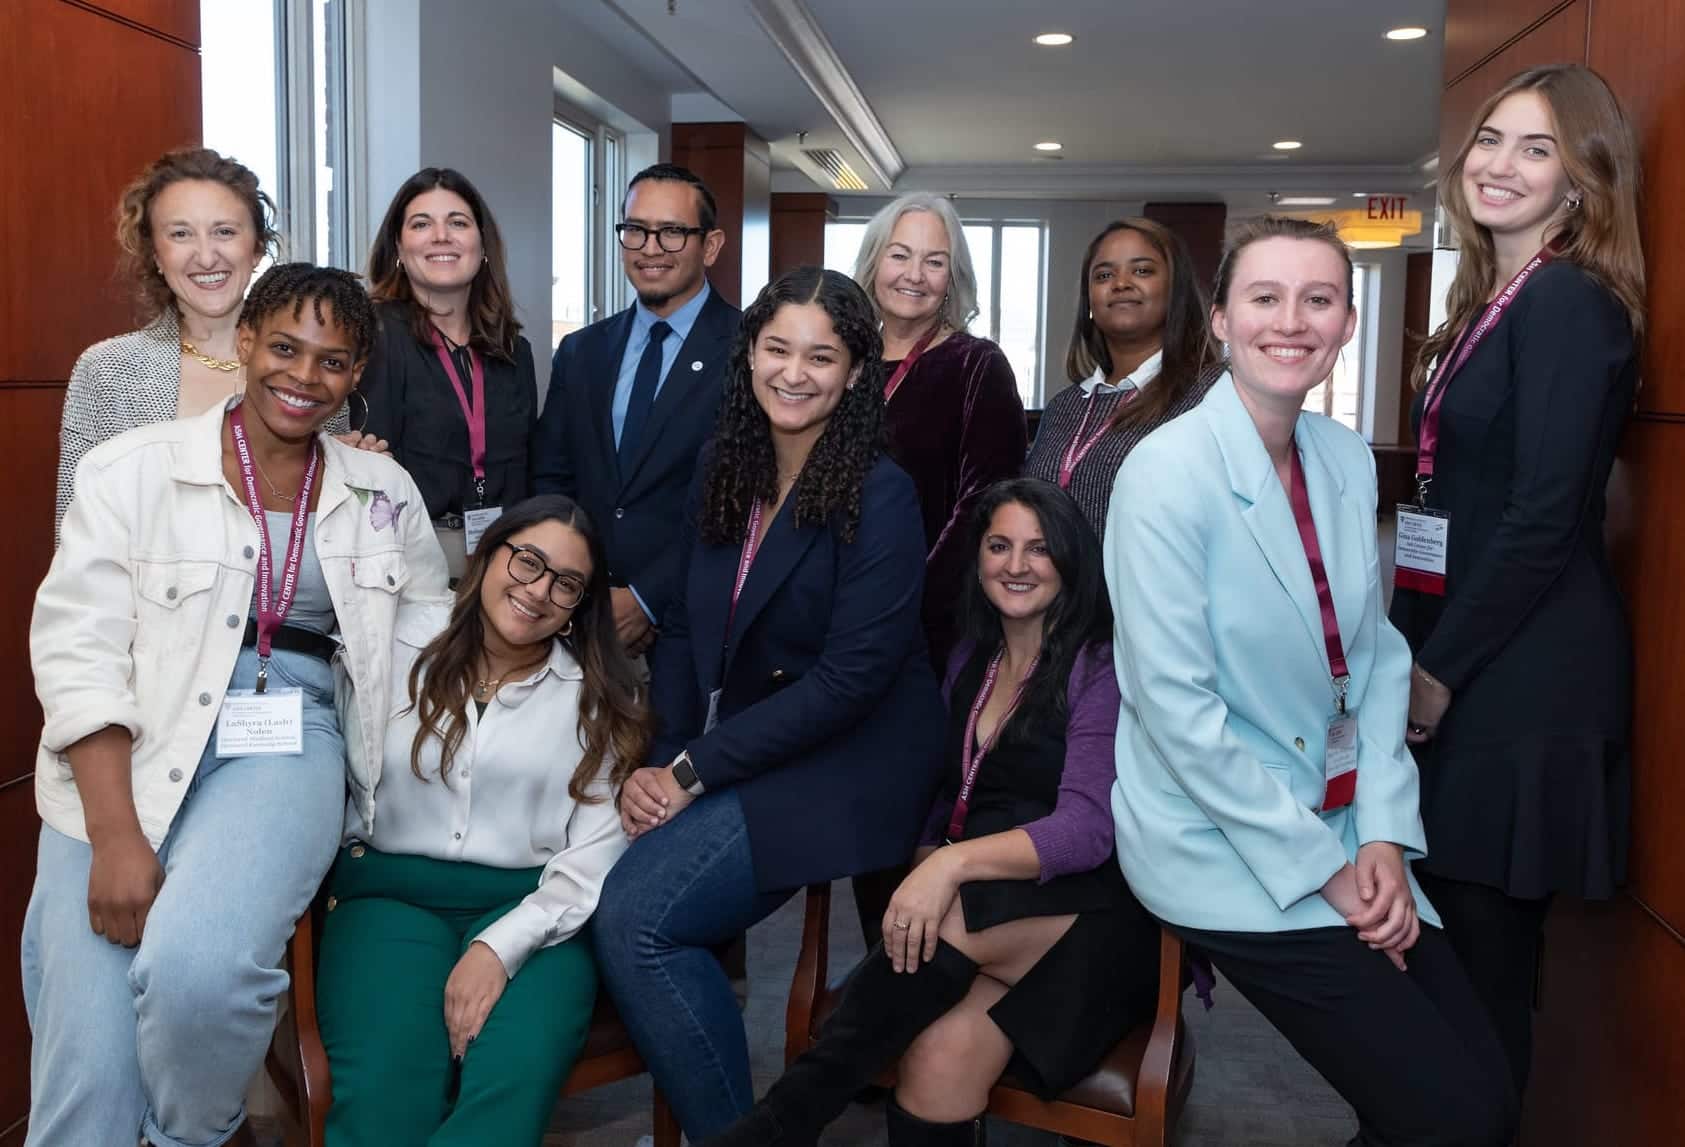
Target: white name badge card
475, 523
1419, 553
1339, 762
267, 724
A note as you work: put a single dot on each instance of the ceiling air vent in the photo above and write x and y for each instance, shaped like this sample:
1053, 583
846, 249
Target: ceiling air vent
831, 162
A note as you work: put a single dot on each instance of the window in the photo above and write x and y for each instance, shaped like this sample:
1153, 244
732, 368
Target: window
1007, 258
293, 120
587, 163
1340, 395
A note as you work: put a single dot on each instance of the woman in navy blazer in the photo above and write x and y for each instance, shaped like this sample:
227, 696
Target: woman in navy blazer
1236, 534
800, 722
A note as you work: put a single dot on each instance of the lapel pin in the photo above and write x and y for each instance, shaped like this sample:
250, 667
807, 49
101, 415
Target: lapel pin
697, 365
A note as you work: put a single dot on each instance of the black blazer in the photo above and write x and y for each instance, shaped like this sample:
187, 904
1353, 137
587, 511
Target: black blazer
413, 406
830, 720
638, 512
1523, 786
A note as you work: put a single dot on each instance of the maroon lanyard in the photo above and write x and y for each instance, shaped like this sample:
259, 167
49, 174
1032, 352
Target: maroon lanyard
475, 414
751, 545
1301, 500
894, 383
272, 609
1079, 447
1427, 434
971, 753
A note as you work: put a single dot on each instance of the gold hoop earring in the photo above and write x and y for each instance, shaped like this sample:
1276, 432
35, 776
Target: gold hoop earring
566, 630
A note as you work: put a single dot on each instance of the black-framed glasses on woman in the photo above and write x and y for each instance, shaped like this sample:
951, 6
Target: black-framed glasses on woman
527, 566
671, 237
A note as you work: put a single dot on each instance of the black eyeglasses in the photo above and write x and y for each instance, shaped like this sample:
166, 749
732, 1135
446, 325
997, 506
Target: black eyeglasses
526, 566
672, 237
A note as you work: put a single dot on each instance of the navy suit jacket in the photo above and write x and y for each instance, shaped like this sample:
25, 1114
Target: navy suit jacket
830, 720
638, 510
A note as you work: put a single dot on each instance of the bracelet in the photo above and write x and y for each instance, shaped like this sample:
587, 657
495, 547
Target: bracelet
1428, 677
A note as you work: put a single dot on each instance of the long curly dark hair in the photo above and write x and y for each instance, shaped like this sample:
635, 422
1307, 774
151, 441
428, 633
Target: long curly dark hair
492, 325
741, 467
614, 721
1080, 617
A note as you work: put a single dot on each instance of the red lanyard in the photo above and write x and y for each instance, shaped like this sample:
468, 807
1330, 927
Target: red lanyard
1428, 433
971, 753
751, 544
1079, 447
1301, 500
475, 414
894, 383
272, 609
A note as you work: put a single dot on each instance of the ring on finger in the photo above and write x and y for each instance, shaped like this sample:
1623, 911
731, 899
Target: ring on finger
902, 924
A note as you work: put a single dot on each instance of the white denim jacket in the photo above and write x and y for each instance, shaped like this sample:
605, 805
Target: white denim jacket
140, 618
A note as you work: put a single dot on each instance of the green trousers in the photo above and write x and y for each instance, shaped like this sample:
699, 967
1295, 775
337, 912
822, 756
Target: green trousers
395, 928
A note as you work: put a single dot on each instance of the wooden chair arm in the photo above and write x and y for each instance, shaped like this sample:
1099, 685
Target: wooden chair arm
812, 970
297, 1060
1152, 1093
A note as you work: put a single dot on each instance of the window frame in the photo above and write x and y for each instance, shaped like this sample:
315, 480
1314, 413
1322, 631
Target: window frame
996, 230
606, 291
295, 130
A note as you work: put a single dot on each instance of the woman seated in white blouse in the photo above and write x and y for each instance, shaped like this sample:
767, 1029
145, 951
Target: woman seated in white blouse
454, 989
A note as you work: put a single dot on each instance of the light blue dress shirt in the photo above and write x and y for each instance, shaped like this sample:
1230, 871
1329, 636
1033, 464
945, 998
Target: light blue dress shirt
643, 318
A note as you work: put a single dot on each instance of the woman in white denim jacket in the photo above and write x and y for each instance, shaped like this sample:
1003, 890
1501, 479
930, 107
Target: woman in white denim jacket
172, 868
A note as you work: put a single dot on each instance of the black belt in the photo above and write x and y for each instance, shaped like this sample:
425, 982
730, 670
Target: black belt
294, 639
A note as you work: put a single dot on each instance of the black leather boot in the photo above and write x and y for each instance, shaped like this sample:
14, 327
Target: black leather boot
881, 1012
910, 1131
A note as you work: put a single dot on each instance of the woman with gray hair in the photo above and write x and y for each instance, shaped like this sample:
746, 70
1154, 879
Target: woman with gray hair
955, 421
954, 418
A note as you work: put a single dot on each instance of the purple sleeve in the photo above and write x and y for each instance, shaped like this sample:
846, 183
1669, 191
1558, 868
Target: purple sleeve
1078, 834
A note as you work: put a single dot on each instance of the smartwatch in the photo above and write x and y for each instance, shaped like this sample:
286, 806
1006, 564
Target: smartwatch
684, 775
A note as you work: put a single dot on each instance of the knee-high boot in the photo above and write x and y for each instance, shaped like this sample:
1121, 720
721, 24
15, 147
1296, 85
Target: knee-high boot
906, 1130
881, 1012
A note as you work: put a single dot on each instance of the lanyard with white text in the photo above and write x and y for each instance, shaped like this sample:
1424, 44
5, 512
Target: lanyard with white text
751, 544
971, 753
894, 383
1427, 434
475, 414
272, 608
1079, 447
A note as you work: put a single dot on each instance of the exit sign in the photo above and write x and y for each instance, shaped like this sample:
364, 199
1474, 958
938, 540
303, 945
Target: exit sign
1388, 206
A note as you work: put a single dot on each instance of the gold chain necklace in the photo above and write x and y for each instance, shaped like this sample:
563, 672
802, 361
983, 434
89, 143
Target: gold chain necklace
486, 687
226, 365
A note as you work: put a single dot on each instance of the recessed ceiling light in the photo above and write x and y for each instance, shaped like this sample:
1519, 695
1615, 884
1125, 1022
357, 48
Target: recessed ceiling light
1408, 32
1049, 145
1054, 39
1287, 145
1360, 195
1304, 201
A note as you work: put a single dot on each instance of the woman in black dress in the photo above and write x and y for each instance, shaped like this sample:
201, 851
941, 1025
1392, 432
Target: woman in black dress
1521, 691
1014, 940
451, 383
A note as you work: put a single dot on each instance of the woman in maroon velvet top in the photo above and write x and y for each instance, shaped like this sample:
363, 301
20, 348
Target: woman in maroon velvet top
955, 420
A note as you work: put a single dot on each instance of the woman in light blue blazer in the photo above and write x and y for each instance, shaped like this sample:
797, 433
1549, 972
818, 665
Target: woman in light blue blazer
1265, 805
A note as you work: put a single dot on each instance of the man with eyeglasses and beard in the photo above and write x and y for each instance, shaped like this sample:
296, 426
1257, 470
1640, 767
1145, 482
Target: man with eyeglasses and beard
633, 397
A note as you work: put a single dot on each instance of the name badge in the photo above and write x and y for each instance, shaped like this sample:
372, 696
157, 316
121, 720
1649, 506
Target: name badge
1419, 551
475, 523
713, 712
1339, 762
267, 724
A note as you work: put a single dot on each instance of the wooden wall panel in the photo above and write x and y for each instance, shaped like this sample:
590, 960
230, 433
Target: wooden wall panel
1418, 310
1473, 31
89, 102
1200, 226
1647, 83
92, 93
798, 229
1559, 40
715, 152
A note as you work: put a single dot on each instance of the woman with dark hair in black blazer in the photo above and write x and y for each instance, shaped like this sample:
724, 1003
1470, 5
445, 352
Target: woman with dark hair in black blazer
1140, 355
451, 383
800, 723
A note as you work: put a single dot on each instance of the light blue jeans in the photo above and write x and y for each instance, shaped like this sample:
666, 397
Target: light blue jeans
162, 1040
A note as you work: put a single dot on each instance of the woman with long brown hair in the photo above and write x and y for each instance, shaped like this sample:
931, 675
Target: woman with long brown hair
454, 988
451, 385
1521, 690
1140, 355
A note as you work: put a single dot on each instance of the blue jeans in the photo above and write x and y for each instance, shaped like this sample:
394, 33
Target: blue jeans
162, 1040
678, 891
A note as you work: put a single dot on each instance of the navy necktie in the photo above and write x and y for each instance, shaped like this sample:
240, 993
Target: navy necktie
643, 392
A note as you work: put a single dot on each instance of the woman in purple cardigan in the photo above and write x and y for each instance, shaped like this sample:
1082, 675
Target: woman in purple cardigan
954, 416
1014, 940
